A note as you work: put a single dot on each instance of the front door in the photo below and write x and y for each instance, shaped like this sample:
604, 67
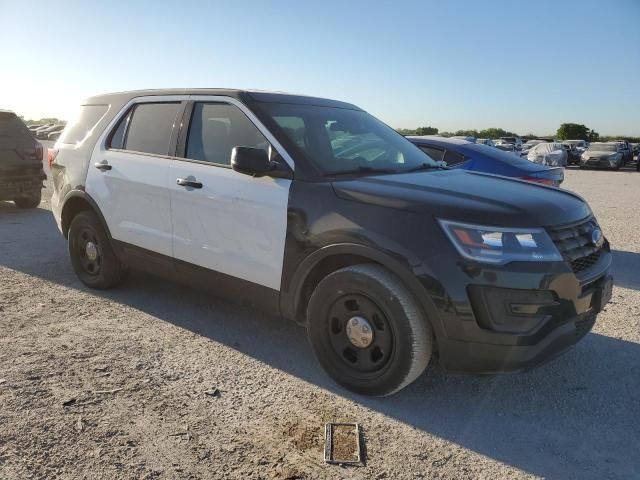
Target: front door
223, 220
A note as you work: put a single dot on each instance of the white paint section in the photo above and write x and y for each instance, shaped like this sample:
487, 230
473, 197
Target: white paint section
133, 198
235, 224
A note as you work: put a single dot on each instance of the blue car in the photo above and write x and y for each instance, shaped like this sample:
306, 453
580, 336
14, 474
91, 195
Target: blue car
482, 158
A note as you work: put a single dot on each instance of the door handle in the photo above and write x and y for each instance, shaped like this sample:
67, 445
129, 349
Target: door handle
102, 166
184, 182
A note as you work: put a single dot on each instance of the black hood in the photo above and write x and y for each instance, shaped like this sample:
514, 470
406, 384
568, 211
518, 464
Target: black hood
468, 197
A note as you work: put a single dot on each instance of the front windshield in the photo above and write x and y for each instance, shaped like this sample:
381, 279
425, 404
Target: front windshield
339, 140
603, 147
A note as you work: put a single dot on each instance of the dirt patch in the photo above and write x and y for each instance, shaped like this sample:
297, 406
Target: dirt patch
344, 445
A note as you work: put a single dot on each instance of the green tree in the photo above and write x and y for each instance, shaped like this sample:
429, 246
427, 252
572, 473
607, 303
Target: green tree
495, 132
573, 131
426, 131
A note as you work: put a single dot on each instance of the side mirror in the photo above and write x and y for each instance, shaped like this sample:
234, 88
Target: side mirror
251, 161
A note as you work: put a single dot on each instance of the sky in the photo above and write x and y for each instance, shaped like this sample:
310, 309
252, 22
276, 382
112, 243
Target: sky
525, 66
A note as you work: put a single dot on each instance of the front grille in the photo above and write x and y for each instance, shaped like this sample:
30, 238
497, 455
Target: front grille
585, 323
575, 244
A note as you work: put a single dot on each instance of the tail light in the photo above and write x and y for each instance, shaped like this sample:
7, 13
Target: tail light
52, 153
39, 152
544, 181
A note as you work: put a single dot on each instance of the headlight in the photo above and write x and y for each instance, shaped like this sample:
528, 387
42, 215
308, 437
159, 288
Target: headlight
498, 245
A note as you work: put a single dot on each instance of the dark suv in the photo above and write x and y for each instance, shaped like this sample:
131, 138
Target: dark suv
316, 210
21, 173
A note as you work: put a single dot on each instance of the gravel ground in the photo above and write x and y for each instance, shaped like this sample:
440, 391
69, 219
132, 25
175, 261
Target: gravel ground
122, 384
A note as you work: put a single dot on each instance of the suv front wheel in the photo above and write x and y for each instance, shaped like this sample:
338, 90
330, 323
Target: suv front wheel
92, 255
368, 331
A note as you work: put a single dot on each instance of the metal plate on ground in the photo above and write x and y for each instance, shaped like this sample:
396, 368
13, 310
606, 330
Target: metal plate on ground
342, 444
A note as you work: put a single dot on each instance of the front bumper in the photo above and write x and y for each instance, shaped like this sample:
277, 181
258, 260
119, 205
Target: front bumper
473, 340
596, 163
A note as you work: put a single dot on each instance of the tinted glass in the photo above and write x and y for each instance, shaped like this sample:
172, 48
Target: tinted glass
603, 147
338, 139
87, 118
453, 158
12, 126
434, 153
117, 138
150, 127
218, 127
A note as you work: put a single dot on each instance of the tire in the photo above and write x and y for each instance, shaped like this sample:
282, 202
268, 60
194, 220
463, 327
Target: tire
97, 266
401, 342
31, 201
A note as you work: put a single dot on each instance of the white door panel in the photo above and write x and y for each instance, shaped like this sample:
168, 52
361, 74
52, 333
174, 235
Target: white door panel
235, 224
133, 198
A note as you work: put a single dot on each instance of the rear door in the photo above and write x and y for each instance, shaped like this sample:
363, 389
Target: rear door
128, 173
231, 223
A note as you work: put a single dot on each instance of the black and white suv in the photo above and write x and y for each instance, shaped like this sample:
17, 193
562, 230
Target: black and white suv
318, 211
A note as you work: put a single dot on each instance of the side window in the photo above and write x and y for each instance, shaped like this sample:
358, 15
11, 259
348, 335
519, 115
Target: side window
453, 158
150, 127
434, 153
87, 119
216, 128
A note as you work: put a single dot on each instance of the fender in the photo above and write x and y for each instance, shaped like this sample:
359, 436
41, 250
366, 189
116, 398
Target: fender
79, 192
290, 300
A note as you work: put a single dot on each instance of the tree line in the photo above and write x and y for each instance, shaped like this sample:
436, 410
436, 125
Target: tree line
566, 131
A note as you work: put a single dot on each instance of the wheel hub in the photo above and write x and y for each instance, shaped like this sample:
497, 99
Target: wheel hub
91, 251
359, 332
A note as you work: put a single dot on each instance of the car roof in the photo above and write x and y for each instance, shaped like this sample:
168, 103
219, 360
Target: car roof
435, 140
255, 95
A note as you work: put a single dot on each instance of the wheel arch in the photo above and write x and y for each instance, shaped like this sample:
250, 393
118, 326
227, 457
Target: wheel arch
75, 202
328, 259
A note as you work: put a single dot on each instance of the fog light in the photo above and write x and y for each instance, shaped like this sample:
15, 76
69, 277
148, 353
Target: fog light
511, 310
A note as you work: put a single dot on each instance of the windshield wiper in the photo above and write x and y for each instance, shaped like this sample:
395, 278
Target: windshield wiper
365, 170
426, 166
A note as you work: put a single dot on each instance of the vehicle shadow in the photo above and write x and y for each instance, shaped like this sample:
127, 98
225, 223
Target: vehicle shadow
576, 417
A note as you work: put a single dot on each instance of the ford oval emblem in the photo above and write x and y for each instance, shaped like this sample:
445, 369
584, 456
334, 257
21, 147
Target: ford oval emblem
596, 237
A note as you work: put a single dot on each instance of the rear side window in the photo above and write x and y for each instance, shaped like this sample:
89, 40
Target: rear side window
453, 158
434, 153
149, 129
85, 121
218, 127
12, 126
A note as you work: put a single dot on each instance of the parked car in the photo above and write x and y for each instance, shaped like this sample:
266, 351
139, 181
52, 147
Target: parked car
581, 145
40, 127
486, 141
515, 141
322, 213
52, 136
625, 149
528, 145
603, 155
506, 147
43, 134
573, 156
466, 138
552, 154
480, 158
21, 173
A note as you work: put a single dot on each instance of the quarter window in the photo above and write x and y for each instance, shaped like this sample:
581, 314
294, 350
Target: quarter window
453, 158
87, 119
216, 128
150, 128
434, 153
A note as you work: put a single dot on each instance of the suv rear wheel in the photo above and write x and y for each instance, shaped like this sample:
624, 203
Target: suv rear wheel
368, 331
92, 255
30, 201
